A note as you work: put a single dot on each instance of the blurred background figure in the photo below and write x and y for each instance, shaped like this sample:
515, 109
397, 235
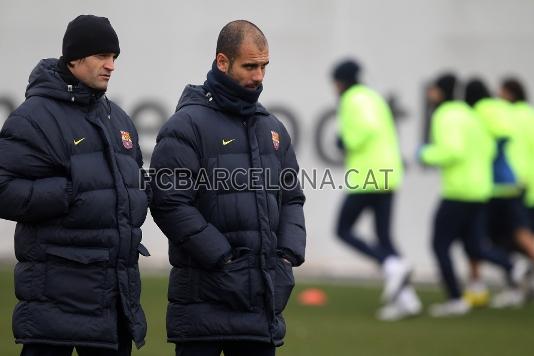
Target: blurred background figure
513, 91
522, 148
463, 150
370, 145
508, 225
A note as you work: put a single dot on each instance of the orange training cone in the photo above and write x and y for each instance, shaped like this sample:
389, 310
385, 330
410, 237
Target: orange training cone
312, 297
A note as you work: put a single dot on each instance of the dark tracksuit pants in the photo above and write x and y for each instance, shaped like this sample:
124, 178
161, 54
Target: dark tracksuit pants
230, 348
381, 205
505, 217
465, 221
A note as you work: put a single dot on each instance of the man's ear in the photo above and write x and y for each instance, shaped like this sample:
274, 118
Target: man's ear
70, 64
223, 63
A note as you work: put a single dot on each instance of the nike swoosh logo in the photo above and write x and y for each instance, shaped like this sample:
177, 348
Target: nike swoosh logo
77, 142
227, 142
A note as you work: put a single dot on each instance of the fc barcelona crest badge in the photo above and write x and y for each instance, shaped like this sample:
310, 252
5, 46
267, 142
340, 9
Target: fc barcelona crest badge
126, 140
276, 139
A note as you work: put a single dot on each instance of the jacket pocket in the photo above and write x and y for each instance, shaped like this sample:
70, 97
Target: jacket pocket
76, 277
29, 280
283, 286
183, 285
229, 285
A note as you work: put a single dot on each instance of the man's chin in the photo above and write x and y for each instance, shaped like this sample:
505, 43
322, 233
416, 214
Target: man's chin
100, 86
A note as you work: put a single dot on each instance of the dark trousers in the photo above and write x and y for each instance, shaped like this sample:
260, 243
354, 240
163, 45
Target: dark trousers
531, 218
505, 217
125, 345
230, 348
465, 221
380, 205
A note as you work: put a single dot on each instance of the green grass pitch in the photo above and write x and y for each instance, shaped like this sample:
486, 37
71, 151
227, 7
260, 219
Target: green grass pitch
344, 327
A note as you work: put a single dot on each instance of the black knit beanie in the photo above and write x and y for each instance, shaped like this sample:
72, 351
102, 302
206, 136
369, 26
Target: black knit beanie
347, 72
87, 35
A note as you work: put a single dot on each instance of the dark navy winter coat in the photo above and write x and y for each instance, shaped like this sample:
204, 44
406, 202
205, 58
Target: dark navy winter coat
208, 298
69, 177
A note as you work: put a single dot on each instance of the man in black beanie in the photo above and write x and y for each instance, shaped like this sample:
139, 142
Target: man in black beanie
90, 47
70, 169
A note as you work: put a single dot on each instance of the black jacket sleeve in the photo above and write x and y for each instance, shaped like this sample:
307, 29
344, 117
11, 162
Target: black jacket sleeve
291, 230
175, 165
31, 189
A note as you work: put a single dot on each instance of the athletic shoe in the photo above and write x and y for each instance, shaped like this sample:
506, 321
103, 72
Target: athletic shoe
453, 307
397, 274
406, 305
508, 298
477, 294
393, 312
520, 271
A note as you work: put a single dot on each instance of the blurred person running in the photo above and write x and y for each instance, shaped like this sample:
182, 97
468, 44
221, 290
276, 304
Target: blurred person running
369, 140
463, 150
507, 221
522, 148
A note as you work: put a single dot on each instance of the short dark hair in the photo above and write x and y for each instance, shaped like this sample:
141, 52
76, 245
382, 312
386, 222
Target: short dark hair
447, 83
233, 34
347, 72
476, 90
515, 88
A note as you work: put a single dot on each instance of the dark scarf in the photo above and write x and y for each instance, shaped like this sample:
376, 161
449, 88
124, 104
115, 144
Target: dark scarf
229, 95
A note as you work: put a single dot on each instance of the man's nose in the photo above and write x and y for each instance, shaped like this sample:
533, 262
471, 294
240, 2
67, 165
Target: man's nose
109, 64
258, 75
